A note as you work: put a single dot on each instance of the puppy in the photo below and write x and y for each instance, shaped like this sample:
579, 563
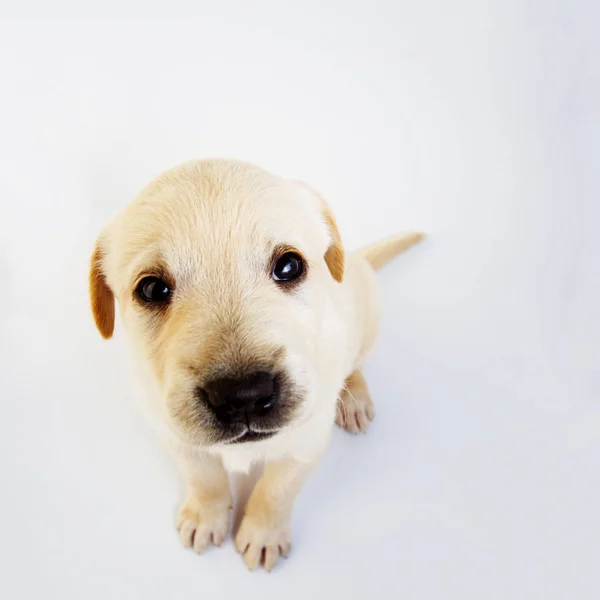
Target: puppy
249, 325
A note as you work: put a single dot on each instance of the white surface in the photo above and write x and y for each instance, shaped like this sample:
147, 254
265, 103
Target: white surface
475, 121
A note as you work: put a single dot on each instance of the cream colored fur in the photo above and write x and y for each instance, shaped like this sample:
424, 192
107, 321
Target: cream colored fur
211, 225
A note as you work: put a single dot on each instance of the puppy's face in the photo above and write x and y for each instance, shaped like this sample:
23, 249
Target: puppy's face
224, 275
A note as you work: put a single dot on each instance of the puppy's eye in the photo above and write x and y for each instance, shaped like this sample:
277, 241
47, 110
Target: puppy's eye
153, 289
288, 266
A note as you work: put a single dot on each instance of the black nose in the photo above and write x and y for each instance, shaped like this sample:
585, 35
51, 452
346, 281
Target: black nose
238, 399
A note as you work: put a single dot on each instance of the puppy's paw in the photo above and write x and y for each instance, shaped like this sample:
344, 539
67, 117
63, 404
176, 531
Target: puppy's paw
200, 525
262, 543
355, 409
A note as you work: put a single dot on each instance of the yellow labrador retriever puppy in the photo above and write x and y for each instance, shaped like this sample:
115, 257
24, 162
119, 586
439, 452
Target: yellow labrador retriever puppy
249, 324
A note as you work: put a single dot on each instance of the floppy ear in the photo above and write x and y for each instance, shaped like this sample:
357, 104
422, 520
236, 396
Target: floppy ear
334, 257
101, 297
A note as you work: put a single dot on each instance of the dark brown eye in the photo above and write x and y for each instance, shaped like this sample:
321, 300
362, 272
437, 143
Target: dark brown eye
153, 289
288, 266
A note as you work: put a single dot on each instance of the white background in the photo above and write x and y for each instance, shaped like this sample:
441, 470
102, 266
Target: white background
476, 121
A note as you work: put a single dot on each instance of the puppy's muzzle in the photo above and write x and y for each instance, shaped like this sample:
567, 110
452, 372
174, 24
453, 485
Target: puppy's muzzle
246, 400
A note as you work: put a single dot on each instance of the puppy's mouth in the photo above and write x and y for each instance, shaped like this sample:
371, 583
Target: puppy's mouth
247, 433
251, 435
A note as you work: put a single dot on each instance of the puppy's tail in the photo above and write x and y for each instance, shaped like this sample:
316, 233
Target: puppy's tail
380, 253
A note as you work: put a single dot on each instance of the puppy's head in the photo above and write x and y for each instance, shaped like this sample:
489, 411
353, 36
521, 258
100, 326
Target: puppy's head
224, 276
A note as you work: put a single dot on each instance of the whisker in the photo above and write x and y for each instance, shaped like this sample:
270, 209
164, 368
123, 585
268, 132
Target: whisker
351, 396
341, 407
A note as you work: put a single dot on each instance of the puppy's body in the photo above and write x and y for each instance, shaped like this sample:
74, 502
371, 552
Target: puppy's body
249, 325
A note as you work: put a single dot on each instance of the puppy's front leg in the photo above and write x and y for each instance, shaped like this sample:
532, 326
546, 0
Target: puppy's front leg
264, 534
204, 517
355, 408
